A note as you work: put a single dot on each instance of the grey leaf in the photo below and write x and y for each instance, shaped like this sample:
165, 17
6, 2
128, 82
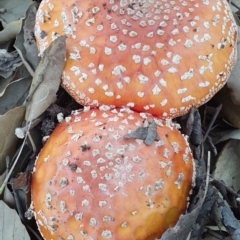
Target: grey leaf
148, 134
152, 134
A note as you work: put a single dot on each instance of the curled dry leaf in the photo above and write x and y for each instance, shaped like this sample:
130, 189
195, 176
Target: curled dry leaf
9, 61
46, 79
231, 223
205, 213
21, 182
224, 214
8, 123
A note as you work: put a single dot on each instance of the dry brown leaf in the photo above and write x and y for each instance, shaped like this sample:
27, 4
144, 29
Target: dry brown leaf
8, 123
46, 79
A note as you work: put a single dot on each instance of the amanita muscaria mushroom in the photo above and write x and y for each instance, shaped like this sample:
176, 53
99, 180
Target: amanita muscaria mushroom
157, 56
92, 182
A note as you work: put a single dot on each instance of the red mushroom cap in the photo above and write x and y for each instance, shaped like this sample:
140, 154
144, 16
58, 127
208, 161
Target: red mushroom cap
157, 56
92, 182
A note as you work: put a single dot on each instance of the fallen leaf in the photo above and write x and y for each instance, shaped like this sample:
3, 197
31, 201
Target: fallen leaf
8, 198
8, 123
29, 39
15, 94
14, 10
235, 134
2, 178
25, 43
21, 73
148, 134
47, 78
228, 165
4, 82
11, 227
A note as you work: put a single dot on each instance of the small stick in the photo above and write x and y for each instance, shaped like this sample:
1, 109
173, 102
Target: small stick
234, 4
218, 109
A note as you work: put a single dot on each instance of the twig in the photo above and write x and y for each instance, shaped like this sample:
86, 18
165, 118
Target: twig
208, 168
218, 109
213, 148
225, 190
235, 5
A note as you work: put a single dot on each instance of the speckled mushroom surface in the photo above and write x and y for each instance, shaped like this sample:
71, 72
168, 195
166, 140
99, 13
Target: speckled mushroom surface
157, 56
91, 183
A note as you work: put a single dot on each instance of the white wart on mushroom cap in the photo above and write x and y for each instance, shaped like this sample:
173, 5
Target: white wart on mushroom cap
157, 56
90, 182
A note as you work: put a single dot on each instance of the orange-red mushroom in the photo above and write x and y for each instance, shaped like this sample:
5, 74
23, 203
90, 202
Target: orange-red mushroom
157, 56
94, 181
